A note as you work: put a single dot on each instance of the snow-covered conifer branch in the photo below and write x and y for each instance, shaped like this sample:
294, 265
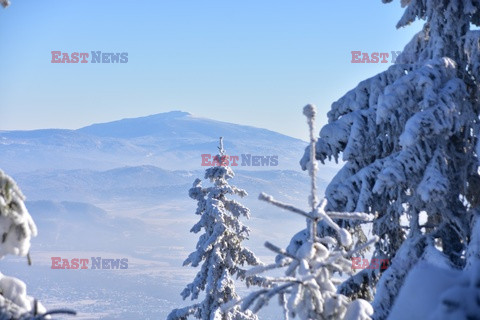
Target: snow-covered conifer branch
309, 288
17, 228
219, 251
409, 139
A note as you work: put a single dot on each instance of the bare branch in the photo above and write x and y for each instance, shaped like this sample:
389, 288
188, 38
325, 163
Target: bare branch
278, 250
268, 198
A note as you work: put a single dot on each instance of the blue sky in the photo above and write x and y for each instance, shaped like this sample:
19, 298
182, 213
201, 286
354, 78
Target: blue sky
249, 62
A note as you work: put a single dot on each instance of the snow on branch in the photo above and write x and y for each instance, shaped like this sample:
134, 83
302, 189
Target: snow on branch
308, 289
219, 251
267, 198
16, 224
17, 228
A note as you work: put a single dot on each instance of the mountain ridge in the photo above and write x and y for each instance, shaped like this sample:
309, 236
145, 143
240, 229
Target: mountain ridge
173, 140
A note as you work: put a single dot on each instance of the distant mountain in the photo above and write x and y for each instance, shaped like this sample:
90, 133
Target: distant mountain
173, 140
75, 225
151, 185
121, 189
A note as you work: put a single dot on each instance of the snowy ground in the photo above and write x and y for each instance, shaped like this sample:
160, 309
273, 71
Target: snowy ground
106, 191
155, 239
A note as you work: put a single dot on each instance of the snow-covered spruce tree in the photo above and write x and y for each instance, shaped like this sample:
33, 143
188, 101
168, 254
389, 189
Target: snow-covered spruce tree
16, 230
462, 300
219, 248
308, 289
408, 137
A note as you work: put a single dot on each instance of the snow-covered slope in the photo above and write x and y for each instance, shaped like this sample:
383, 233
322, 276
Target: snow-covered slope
120, 189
